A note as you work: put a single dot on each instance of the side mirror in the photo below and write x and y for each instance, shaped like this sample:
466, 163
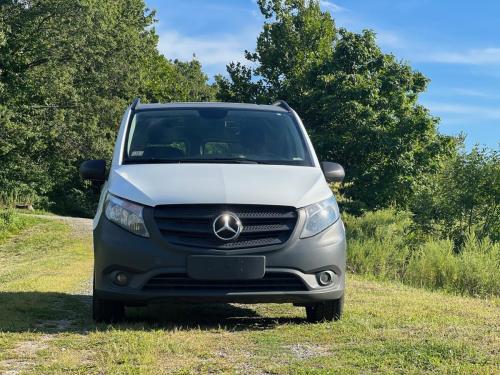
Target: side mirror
333, 172
93, 170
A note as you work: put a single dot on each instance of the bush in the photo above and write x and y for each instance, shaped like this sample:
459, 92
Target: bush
11, 223
462, 198
432, 265
477, 267
384, 244
377, 243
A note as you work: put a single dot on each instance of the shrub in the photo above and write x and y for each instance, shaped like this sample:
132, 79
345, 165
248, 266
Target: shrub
377, 243
477, 267
432, 265
462, 198
11, 222
384, 244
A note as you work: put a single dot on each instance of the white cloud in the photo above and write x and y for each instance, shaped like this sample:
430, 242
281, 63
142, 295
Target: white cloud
470, 92
472, 57
389, 39
209, 50
464, 110
475, 93
332, 6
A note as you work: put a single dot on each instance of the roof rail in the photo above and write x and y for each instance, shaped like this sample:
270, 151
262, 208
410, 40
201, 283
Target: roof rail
284, 105
135, 103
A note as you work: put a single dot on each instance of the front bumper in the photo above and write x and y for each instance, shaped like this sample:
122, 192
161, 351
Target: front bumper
144, 258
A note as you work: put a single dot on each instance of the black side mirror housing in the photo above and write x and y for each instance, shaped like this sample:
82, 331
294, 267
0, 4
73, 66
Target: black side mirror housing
333, 172
93, 170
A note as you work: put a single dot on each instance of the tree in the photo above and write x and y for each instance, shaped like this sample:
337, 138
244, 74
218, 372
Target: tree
166, 81
463, 198
68, 69
359, 104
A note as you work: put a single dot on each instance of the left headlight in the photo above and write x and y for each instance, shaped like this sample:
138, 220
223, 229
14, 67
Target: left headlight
126, 214
320, 216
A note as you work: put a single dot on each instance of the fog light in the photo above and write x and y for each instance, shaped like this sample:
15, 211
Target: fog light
121, 279
326, 278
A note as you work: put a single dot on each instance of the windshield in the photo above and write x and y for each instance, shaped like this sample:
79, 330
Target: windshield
214, 135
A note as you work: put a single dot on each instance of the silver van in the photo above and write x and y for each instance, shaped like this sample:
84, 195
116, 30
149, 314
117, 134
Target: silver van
216, 202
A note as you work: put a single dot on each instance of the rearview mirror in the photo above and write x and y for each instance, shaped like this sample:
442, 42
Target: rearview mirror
93, 170
333, 172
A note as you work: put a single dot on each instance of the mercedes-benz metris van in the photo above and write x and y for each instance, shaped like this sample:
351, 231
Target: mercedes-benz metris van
216, 202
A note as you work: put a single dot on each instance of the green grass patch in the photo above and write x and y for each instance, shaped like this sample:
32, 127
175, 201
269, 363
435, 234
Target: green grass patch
11, 223
45, 325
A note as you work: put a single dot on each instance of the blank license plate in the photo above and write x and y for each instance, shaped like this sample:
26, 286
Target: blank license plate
212, 267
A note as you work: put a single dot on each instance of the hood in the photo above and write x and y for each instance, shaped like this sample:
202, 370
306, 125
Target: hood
157, 184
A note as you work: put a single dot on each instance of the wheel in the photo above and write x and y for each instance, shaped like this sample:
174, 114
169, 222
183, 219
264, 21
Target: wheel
325, 311
106, 311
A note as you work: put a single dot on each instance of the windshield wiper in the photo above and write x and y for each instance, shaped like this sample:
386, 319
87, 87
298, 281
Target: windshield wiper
151, 161
222, 160
199, 160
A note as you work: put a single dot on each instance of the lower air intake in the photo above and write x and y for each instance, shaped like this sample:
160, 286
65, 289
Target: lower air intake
271, 282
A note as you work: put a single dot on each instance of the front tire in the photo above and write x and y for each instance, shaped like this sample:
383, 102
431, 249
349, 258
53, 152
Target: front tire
325, 311
105, 311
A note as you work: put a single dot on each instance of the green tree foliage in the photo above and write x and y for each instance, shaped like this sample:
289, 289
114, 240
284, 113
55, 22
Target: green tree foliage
463, 199
68, 69
359, 104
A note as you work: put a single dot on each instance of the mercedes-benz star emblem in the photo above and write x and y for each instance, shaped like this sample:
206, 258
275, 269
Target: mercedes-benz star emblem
227, 226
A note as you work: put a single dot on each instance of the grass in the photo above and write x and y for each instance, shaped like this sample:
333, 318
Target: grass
12, 223
384, 245
45, 326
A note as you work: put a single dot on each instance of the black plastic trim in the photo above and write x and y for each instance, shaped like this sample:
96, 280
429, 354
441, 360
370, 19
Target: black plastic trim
135, 103
284, 105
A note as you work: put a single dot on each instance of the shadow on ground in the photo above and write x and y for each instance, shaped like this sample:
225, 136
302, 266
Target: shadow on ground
59, 312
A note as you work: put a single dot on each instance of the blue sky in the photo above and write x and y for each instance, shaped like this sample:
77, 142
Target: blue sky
454, 43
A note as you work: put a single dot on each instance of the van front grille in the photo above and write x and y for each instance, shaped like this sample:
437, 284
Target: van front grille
192, 225
271, 282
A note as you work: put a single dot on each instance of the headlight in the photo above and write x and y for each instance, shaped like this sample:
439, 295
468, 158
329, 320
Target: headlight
320, 216
126, 214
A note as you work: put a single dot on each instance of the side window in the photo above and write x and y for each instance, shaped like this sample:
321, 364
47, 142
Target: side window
132, 131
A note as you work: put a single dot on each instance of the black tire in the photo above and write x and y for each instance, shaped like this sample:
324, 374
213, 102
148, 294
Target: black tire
325, 311
104, 311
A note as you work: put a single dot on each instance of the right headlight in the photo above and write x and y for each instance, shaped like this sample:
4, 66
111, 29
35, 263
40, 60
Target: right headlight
320, 216
126, 214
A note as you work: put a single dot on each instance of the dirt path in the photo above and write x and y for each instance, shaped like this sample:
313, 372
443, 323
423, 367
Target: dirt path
81, 226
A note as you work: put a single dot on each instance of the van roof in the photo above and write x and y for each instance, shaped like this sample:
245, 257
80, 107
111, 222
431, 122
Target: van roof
185, 105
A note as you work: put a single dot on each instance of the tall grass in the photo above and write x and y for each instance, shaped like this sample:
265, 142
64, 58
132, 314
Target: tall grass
384, 244
12, 223
10, 199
